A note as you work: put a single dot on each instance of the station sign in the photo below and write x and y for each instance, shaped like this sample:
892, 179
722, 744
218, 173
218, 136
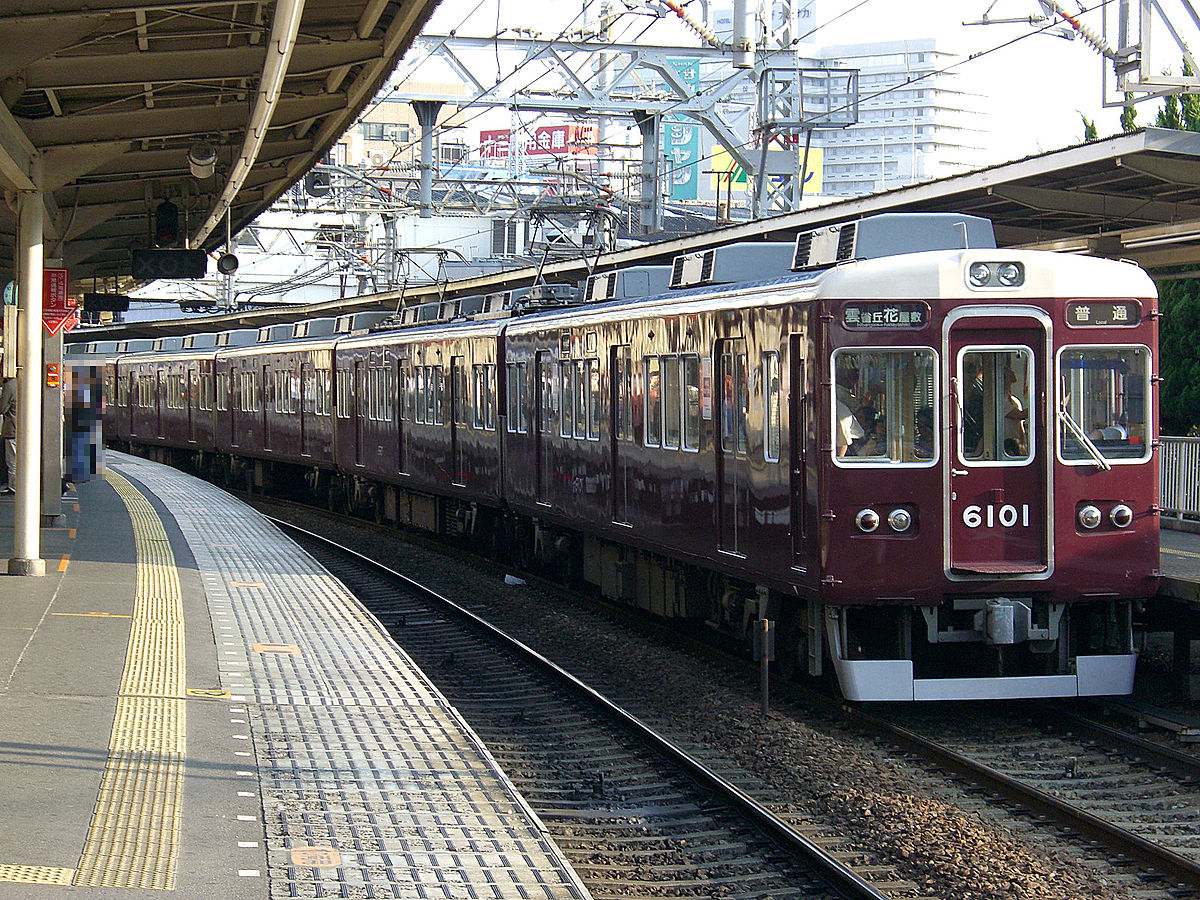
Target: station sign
59, 309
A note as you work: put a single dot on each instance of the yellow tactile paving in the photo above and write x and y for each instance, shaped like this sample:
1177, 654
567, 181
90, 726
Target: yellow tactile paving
133, 840
35, 875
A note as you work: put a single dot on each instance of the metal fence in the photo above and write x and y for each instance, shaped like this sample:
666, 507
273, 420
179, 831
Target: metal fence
1180, 476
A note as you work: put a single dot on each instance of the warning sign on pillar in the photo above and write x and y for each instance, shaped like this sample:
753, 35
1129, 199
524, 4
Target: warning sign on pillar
58, 307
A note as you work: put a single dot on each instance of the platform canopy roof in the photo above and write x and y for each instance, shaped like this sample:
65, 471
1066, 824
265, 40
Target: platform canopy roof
105, 100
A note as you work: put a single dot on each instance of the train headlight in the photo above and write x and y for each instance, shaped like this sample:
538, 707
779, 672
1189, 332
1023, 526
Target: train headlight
1089, 517
900, 519
1010, 274
980, 274
867, 520
1121, 516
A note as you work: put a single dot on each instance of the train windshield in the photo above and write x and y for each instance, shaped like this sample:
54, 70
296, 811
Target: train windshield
884, 406
996, 393
1103, 395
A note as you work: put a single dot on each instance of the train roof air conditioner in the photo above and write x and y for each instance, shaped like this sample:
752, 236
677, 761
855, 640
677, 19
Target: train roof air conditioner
313, 328
745, 261
548, 296
352, 323
270, 333
890, 234
627, 284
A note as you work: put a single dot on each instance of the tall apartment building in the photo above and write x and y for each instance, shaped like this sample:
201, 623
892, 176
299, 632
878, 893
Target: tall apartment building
915, 121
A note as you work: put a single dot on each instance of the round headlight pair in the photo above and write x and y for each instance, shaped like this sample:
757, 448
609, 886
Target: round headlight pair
1005, 274
1120, 515
898, 519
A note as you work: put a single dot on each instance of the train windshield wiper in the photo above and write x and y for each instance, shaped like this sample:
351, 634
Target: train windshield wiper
1073, 427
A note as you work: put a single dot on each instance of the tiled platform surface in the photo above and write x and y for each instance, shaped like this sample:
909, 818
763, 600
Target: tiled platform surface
333, 768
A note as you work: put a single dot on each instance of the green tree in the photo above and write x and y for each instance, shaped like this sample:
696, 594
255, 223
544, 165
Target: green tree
1089, 128
1179, 359
1128, 114
1181, 112
1189, 105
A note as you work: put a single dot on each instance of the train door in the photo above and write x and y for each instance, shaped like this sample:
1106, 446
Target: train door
402, 413
235, 405
192, 398
544, 399
458, 419
158, 402
306, 391
359, 401
733, 469
998, 458
797, 415
621, 430
268, 393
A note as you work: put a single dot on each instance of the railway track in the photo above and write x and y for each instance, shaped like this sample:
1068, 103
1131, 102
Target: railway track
637, 815
1130, 866
1136, 797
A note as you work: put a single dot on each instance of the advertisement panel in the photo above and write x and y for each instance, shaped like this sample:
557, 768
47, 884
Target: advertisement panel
681, 138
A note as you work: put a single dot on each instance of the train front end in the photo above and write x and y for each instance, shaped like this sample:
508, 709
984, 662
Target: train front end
989, 506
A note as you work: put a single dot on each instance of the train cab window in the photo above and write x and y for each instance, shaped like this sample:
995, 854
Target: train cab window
1103, 404
996, 387
653, 434
884, 409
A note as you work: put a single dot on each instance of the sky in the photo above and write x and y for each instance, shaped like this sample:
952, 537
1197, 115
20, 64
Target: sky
1036, 88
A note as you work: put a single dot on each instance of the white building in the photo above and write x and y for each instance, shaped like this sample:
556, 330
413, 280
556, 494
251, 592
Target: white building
915, 121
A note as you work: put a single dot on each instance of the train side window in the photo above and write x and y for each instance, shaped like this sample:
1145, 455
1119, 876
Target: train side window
583, 409
735, 402
691, 402
458, 392
516, 391
672, 408
547, 409
884, 409
592, 368
623, 393
771, 414
653, 435
477, 408
437, 395
1103, 394
565, 390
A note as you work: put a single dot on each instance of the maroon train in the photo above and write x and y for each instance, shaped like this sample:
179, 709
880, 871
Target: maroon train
928, 461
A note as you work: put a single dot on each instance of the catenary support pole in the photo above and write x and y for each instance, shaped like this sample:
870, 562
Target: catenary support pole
26, 559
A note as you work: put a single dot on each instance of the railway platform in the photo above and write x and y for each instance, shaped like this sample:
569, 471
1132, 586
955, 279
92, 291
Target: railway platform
189, 703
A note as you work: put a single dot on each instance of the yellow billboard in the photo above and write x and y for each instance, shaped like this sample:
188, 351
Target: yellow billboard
726, 173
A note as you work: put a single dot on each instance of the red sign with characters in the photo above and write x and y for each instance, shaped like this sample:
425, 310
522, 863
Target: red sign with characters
59, 309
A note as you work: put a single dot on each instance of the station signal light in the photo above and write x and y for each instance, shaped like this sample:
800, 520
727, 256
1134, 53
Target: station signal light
166, 224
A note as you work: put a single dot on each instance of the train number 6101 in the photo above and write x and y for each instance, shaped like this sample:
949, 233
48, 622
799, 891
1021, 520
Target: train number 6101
989, 516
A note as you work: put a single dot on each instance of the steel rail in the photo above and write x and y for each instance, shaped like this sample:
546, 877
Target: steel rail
839, 877
1113, 836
